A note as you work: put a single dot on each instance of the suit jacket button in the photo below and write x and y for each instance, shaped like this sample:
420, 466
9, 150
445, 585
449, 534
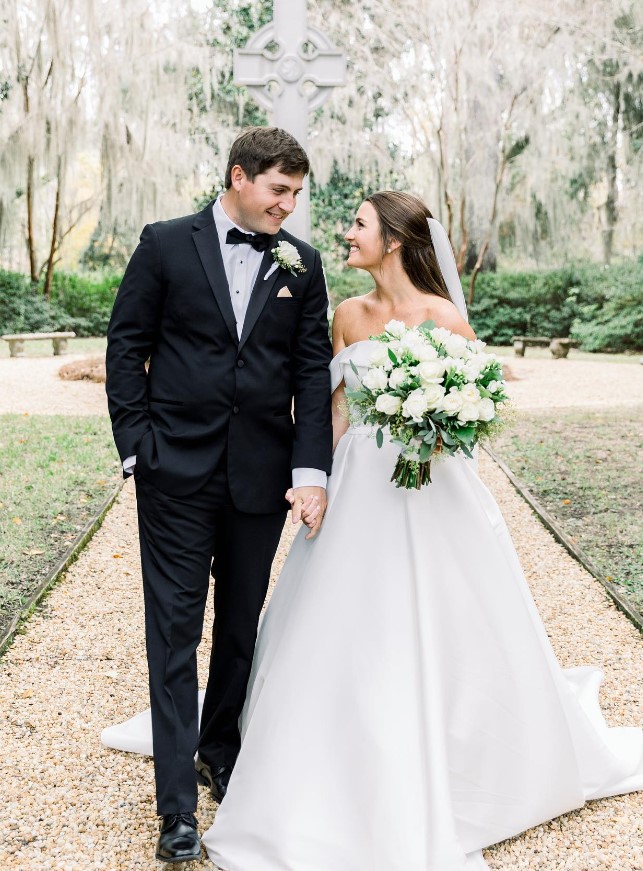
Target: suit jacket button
235, 409
241, 363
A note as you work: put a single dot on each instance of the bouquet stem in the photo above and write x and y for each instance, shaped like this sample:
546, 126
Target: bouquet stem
411, 474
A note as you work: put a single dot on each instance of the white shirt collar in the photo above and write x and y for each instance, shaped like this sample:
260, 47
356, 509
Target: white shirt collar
223, 221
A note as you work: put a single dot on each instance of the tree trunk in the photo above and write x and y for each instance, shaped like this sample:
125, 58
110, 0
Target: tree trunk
31, 236
31, 240
611, 203
502, 165
54, 233
464, 235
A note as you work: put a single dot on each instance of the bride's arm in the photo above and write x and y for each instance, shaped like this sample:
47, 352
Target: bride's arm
338, 399
340, 416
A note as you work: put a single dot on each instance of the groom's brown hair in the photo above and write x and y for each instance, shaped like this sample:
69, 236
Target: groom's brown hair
258, 149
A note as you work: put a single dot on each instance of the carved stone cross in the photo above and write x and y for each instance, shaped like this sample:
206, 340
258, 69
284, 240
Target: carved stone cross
290, 69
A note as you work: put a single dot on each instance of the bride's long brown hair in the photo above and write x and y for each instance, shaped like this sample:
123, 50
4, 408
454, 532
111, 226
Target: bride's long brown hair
403, 217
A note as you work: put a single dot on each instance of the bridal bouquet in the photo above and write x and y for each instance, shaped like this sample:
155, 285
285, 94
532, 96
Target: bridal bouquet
436, 391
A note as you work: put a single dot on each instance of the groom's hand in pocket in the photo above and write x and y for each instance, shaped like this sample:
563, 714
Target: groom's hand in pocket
309, 506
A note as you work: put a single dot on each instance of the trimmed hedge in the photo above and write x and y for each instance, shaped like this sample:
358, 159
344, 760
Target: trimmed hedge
87, 303
600, 306
77, 304
23, 309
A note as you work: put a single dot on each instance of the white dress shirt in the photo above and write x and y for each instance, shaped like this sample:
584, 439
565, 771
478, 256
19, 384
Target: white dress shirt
241, 263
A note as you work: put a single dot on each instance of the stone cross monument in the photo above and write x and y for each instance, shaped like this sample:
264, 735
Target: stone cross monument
290, 69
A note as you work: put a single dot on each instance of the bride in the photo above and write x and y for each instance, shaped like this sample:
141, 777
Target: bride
405, 707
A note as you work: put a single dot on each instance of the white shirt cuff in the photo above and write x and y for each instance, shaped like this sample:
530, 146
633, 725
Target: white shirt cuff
309, 478
128, 464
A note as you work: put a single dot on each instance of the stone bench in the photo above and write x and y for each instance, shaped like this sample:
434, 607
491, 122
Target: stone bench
558, 347
17, 341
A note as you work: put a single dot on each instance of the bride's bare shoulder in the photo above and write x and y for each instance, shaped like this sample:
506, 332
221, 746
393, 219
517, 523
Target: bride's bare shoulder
353, 306
347, 317
444, 313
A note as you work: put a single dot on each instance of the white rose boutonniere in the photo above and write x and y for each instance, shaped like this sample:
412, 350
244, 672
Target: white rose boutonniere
287, 257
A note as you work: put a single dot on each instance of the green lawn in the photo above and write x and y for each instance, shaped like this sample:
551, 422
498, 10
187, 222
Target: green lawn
44, 347
585, 469
55, 471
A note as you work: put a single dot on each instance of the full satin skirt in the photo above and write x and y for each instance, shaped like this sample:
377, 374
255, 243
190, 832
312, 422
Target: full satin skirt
405, 707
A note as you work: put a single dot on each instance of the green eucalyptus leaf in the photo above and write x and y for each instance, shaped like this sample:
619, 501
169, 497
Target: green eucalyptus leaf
465, 433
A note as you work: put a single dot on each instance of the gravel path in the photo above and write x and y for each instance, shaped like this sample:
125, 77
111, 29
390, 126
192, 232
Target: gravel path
67, 803
30, 385
543, 384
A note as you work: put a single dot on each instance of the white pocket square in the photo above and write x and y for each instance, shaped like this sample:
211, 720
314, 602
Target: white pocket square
284, 292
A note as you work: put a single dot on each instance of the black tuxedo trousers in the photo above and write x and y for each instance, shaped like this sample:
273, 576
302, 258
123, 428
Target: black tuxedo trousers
178, 537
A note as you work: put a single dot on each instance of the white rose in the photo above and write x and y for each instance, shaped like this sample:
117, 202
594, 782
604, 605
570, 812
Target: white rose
492, 386
470, 394
453, 363
468, 412
379, 355
387, 403
455, 345
431, 371
477, 345
472, 369
440, 334
486, 409
433, 394
418, 346
396, 328
288, 253
397, 378
426, 352
415, 406
410, 339
375, 379
452, 402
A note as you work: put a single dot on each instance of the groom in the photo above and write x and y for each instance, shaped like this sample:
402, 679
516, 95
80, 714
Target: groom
232, 319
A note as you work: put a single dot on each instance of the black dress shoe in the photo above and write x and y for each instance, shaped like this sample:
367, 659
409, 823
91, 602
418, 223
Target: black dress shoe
179, 840
216, 779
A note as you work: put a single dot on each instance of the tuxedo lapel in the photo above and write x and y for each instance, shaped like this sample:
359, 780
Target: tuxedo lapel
206, 240
260, 291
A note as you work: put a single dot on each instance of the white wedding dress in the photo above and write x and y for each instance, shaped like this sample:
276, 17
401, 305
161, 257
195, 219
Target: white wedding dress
405, 707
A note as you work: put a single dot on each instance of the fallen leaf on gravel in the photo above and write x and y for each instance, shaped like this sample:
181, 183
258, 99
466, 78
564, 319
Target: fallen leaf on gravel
34, 551
16, 520
117, 555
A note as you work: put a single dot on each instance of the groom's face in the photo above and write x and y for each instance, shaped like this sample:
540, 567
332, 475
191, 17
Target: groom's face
263, 204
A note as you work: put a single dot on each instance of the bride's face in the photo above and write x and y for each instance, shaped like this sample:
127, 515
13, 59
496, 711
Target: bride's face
365, 239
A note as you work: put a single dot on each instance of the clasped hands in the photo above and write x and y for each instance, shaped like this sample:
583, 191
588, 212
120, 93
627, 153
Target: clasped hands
309, 506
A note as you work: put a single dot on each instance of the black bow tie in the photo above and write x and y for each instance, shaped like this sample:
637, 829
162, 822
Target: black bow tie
259, 241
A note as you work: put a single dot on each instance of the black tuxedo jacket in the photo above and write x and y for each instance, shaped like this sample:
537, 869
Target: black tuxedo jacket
208, 394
